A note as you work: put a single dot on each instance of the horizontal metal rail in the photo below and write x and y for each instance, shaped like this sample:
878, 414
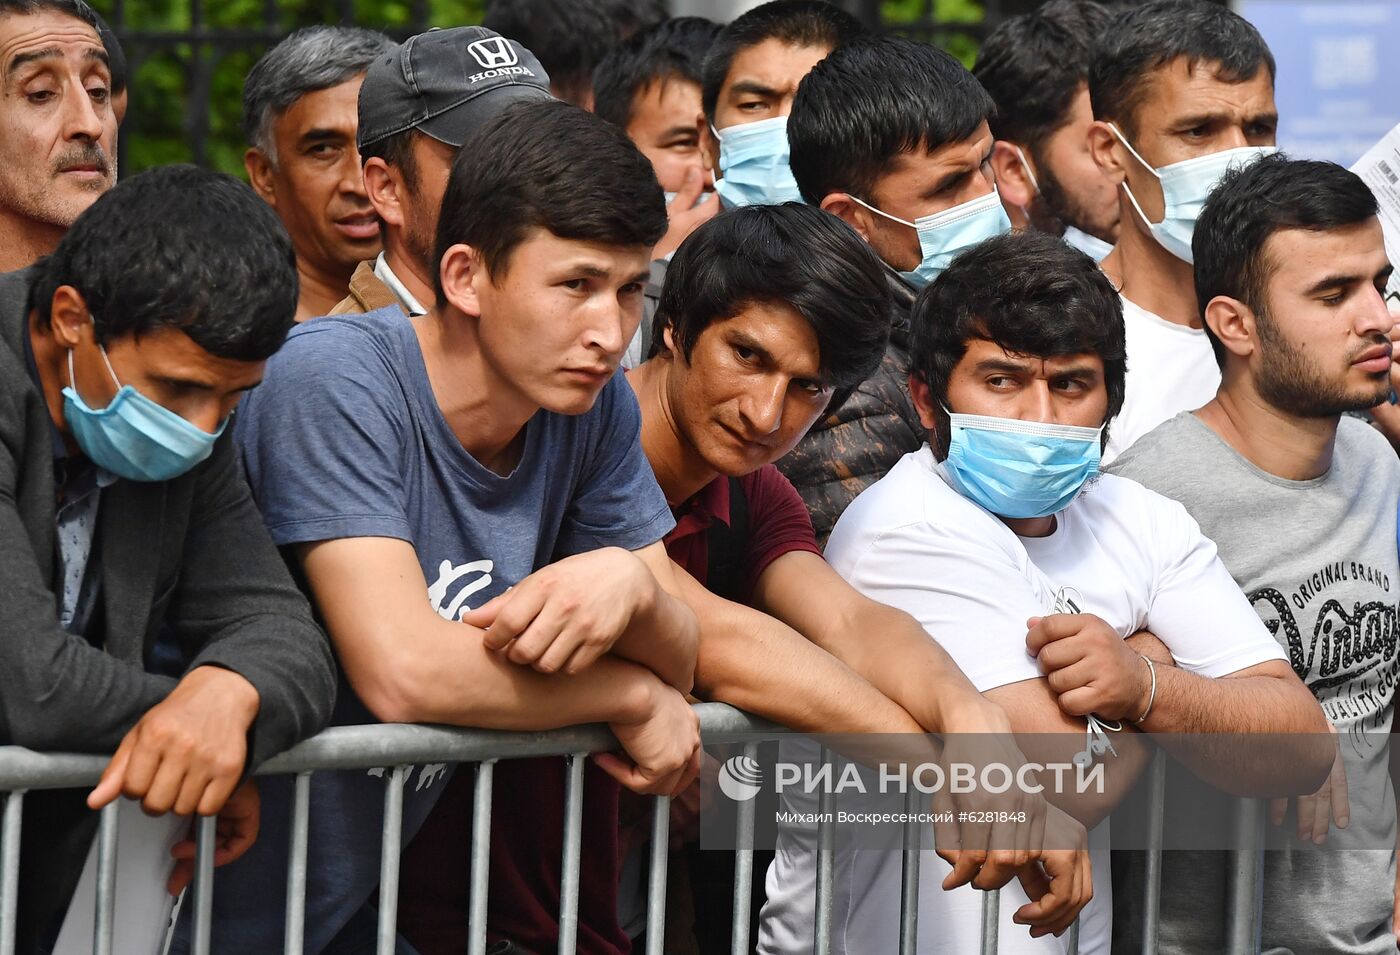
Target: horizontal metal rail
395, 746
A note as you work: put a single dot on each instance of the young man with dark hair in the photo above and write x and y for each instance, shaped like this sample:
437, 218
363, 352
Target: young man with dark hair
1035, 67
892, 137
751, 77
299, 114
1291, 271
766, 312
59, 150
125, 519
570, 37
1034, 577
484, 456
650, 86
417, 103
1181, 90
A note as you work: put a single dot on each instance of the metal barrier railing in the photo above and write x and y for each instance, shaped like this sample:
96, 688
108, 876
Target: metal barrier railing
399, 745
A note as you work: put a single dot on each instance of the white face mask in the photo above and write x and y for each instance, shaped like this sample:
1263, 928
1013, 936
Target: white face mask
1186, 186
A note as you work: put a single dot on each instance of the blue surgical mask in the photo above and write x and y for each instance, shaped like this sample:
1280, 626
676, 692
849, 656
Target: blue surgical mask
1091, 245
1018, 468
753, 164
943, 235
134, 437
1186, 186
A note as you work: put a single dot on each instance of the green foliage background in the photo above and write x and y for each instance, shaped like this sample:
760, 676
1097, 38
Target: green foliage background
159, 129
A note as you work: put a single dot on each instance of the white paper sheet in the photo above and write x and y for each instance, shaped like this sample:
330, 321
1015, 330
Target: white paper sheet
1380, 169
143, 907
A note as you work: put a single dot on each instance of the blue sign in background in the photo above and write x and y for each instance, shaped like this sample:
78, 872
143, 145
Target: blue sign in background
1338, 85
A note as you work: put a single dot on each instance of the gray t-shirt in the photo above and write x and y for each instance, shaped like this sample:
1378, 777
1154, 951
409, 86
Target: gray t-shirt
1318, 560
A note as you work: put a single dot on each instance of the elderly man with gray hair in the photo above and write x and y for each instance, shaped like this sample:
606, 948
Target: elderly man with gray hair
299, 112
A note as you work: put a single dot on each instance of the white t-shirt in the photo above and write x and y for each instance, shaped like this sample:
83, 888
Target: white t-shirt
1127, 554
1171, 369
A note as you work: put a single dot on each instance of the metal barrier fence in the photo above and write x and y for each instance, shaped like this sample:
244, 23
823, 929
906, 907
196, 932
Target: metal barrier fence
397, 746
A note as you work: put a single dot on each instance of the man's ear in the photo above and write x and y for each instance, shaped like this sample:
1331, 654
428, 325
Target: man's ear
69, 317
855, 215
385, 188
260, 175
709, 146
1234, 323
1109, 154
462, 271
924, 402
1013, 181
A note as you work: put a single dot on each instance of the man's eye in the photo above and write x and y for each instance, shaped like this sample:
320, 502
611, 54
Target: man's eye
1334, 299
1070, 385
812, 389
632, 288
1000, 381
745, 354
752, 105
40, 96
576, 285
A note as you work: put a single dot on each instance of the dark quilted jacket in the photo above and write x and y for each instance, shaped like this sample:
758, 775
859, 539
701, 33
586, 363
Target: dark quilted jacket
850, 450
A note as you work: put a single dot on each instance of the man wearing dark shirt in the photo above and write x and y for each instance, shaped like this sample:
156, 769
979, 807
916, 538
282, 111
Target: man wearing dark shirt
125, 518
767, 311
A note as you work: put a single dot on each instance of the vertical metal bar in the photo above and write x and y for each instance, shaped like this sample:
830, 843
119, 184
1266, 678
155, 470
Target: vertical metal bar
1072, 946
909, 881
1245, 893
1152, 884
991, 921
656, 875
743, 868
481, 856
390, 846
9, 870
203, 883
106, 880
573, 850
826, 857
294, 934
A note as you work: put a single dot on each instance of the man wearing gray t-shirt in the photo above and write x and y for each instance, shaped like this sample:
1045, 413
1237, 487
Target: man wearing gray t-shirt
1301, 500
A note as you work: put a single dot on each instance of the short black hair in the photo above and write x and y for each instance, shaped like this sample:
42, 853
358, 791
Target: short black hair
1031, 294
674, 49
183, 247
631, 17
73, 8
1253, 202
569, 37
793, 254
1033, 66
1142, 40
871, 100
520, 170
795, 22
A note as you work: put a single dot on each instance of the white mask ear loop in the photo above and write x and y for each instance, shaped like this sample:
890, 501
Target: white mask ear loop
1126, 188
73, 382
867, 205
1027, 167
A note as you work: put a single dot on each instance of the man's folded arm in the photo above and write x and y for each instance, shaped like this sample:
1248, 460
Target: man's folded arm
410, 665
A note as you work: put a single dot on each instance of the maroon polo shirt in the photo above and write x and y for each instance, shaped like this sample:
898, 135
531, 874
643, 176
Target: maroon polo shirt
778, 523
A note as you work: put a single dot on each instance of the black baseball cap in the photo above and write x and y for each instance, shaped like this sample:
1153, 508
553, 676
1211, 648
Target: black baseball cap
446, 83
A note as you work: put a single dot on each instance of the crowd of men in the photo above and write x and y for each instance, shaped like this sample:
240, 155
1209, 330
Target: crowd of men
777, 363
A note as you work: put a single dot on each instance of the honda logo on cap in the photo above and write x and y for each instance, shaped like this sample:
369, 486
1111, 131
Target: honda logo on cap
493, 53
